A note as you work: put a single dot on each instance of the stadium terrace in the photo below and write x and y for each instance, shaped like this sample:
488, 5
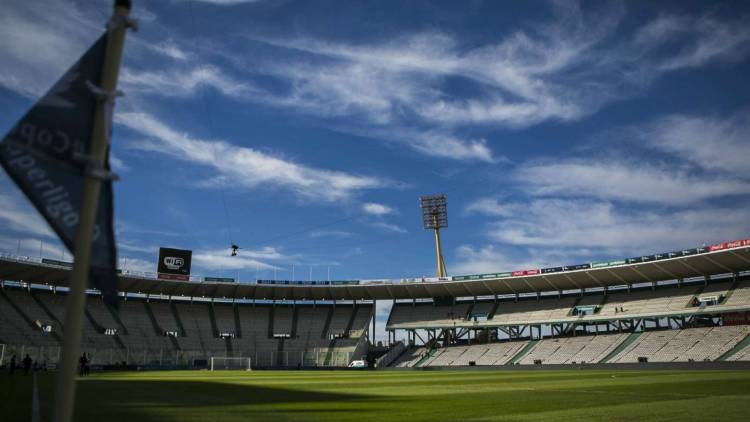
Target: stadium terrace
618, 311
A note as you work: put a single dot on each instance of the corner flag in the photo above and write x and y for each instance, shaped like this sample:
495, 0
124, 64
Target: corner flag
46, 155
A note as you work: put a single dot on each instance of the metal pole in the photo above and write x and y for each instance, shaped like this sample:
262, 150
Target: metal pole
65, 393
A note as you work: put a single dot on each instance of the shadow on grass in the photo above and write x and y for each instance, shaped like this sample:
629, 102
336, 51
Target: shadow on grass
153, 400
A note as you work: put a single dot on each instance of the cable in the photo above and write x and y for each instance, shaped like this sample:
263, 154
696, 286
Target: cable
211, 131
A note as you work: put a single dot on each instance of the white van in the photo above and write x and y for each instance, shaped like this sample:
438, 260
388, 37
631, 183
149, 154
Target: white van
357, 364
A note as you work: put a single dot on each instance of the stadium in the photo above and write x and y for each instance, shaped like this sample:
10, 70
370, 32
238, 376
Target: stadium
595, 154
647, 316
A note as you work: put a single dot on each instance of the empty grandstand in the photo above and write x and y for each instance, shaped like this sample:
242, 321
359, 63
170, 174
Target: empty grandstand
688, 307
186, 333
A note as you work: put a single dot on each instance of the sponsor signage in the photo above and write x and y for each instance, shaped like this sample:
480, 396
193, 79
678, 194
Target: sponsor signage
552, 270
311, 283
174, 264
219, 279
58, 263
577, 267
524, 272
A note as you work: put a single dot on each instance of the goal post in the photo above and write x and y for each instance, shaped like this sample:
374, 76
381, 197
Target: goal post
218, 363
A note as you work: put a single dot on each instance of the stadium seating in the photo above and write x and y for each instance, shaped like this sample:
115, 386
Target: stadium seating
691, 344
138, 331
697, 344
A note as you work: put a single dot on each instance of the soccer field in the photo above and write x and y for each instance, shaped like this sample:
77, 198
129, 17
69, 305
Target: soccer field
393, 396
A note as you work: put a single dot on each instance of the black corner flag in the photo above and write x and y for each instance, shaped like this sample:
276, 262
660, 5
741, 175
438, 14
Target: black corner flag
46, 156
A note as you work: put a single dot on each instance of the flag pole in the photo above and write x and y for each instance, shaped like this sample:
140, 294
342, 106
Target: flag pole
99, 147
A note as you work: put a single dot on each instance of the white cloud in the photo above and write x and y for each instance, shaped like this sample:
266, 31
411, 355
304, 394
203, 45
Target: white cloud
22, 218
718, 145
136, 264
489, 206
247, 167
245, 260
117, 164
377, 209
390, 227
704, 38
178, 82
486, 259
38, 43
600, 226
625, 181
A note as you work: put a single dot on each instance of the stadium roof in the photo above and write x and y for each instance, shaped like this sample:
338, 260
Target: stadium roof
730, 260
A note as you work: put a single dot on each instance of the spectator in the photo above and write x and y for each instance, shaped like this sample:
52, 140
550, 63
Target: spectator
82, 365
12, 364
26, 364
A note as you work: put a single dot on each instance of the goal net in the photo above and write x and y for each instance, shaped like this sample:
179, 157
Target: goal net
240, 364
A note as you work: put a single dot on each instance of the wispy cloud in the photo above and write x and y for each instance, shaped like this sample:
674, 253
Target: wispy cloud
220, 259
247, 167
602, 226
178, 82
486, 259
626, 181
22, 219
715, 144
395, 228
373, 208
330, 233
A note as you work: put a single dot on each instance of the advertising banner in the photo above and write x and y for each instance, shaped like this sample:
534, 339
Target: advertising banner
174, 264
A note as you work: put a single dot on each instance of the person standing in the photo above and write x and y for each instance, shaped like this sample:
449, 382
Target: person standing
26, 364
12, 364
82, 365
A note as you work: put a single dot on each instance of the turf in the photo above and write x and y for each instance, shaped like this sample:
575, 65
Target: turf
394, 396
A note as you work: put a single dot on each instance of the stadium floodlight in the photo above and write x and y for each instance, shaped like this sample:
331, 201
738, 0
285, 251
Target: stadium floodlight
435, 217
229, 363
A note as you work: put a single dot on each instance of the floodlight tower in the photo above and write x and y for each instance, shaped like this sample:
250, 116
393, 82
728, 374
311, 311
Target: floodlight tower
435, 217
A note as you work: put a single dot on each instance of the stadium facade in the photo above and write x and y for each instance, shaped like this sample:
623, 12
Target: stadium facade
687, 305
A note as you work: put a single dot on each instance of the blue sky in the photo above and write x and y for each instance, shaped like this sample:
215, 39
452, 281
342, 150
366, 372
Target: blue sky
562, 132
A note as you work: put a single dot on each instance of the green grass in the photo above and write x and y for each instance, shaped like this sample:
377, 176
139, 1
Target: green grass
330, 396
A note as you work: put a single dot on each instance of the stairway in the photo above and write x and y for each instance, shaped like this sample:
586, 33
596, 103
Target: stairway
625, 343
237, 324
329, 353
99, 329
295, 315
270, 321
493, 311
116, 316
350, 323
739, 346
20, 311
157, 329
525, 351
178, 320
45, 309
212, 318
327, 325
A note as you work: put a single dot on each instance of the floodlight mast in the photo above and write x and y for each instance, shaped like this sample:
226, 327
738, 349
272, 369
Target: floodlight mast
435, 217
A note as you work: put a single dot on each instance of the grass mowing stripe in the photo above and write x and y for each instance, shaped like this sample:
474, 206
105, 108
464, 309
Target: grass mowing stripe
414, 396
